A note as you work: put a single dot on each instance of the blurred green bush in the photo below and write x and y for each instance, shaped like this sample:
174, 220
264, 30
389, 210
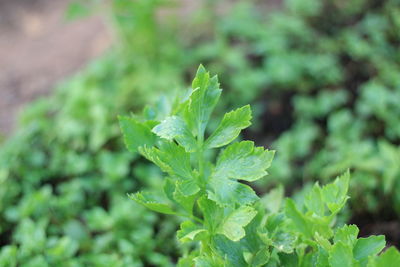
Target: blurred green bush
339, 62
65, 174
323, 80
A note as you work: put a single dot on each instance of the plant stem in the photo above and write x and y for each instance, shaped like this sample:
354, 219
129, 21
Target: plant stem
200, 156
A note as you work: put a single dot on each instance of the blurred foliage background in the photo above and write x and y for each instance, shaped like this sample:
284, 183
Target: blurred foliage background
321, 75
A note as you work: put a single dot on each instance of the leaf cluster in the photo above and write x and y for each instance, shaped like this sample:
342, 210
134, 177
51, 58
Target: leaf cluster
323, 74
64, 172
227, 223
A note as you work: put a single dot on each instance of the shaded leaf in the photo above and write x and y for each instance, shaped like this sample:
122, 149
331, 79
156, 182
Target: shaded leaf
136, 133
188, 231
230, 127
243, 161
175, 128
341, 255
234, 223
202, 100
370, 246
152, 201
171, 159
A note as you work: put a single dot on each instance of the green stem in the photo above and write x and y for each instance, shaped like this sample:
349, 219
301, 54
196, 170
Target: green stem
200, 156
193, 217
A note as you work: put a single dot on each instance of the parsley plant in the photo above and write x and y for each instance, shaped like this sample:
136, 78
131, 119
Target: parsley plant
224, 219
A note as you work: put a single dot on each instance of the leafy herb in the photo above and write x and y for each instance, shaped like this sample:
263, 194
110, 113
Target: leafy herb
222, 215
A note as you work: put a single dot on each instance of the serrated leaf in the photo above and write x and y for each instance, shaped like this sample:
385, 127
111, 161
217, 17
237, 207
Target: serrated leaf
171, 159
229, 250
389, 258
227, 192
299, 220
341, 255
202, 100
284, 242
323, 241
313, 201
290, 260
230, 127
321, 225
175, 128
213, 214
136, 133
185, 201
188, 187
169, 188
347, 234
322, 258
273, 200
152, 201
335, 194
370, 246
173, 191
260, 258
206, 261
189, 231
233, 225
243, 161
186, 261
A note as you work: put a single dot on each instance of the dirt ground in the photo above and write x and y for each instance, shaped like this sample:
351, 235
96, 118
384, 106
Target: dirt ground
38, 48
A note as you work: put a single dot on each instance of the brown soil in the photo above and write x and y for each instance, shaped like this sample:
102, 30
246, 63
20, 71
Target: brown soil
38, 47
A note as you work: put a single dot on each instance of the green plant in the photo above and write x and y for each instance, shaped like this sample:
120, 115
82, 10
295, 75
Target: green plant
352, 118
322, 76
62, 181
224, 218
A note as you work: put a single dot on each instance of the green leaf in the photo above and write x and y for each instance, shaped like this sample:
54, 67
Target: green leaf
188, 187
169, 188
227, 192
152, 201
370, 246
231, 251
273, 200
185, 201
206, 261
341, 255
175, 128
260, 258
389, 258
313, 201
290, 260
136, 133
284, 242
347, 234
202, 100
212, 213
230, 127
298, 219
335, 194
322, 258
322, 240
171, 159
186, 261
173, 191
243, 161
189, 231
233, 225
